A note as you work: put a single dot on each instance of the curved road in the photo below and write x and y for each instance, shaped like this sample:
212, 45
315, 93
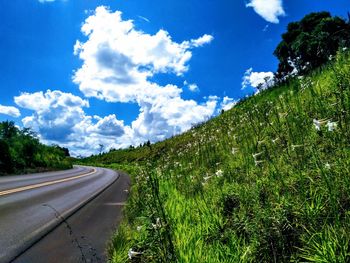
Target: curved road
65, 216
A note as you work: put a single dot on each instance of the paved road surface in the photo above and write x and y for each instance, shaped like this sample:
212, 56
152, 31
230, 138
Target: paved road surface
90, 199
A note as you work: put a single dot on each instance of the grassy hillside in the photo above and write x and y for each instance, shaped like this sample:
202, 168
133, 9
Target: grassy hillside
267, 181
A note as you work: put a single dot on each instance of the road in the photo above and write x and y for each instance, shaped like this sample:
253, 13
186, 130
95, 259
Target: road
65, 216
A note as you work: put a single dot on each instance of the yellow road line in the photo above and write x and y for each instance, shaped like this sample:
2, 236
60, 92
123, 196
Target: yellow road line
33, 186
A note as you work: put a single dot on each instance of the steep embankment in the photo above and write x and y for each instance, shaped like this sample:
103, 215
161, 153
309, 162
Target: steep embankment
267, 181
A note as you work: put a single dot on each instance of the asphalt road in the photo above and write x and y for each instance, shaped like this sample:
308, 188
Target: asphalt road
65, 216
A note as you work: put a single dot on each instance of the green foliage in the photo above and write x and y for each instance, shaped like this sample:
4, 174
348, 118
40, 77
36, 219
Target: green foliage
267, 181
310, 42
21, 151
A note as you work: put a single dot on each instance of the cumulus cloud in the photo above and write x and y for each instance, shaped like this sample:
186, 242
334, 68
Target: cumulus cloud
10, 111
119, 60
118, 63
108, 126
259, 80
163, 118
192, 87
59, 117
55, 113
270, 10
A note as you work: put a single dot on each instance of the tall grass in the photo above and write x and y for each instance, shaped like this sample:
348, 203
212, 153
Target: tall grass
267, 181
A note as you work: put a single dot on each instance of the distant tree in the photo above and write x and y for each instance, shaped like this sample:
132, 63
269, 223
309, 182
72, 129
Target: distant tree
8, 130
5, 158
310, 42
20, 149
101, 147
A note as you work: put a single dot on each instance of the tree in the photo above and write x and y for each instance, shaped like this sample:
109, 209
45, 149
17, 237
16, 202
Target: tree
5, 158
309, 43
8, 130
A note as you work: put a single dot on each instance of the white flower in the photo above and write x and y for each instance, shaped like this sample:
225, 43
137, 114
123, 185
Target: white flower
261, 142
331, 125
158, 224
258, 162
132, 253
234, 150
207, 178
219, 173
319, 123
294, 146
139, 228
255, 155
327, 166
275, 140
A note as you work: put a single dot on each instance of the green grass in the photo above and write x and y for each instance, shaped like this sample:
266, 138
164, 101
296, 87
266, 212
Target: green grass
259, 183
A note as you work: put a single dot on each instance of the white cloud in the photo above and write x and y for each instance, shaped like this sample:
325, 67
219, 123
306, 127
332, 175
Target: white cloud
9, 110
205, 39
227, 103
163, 118
45, 1
119, 59
55, 113
192, 87
59, 118
270, 10
118, 63
144, 19
259, 80
108, 126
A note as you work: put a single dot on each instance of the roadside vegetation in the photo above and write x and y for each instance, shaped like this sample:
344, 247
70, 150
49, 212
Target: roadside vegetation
267, 181
21, 152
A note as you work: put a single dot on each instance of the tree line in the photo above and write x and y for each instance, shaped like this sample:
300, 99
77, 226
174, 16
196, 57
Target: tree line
21, 151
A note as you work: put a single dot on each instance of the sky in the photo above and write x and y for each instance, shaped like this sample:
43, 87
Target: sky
117, 73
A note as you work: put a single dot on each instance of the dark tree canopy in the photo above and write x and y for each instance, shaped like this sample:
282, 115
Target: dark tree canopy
309, 43
21, 151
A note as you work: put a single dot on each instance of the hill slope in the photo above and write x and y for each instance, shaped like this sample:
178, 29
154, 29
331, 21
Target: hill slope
267, 181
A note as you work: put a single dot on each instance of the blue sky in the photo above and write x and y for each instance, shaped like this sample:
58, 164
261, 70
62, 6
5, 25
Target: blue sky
115, 72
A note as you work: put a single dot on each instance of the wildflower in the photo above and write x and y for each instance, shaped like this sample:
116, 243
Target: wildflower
282, 114
207, 177
157, 224
345, 48
261, 142
319, 123
331, 126
327, 166
275, 140
132, 253
219, 173
234, 150
255, 155
294, 146
258, 162
138, 228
